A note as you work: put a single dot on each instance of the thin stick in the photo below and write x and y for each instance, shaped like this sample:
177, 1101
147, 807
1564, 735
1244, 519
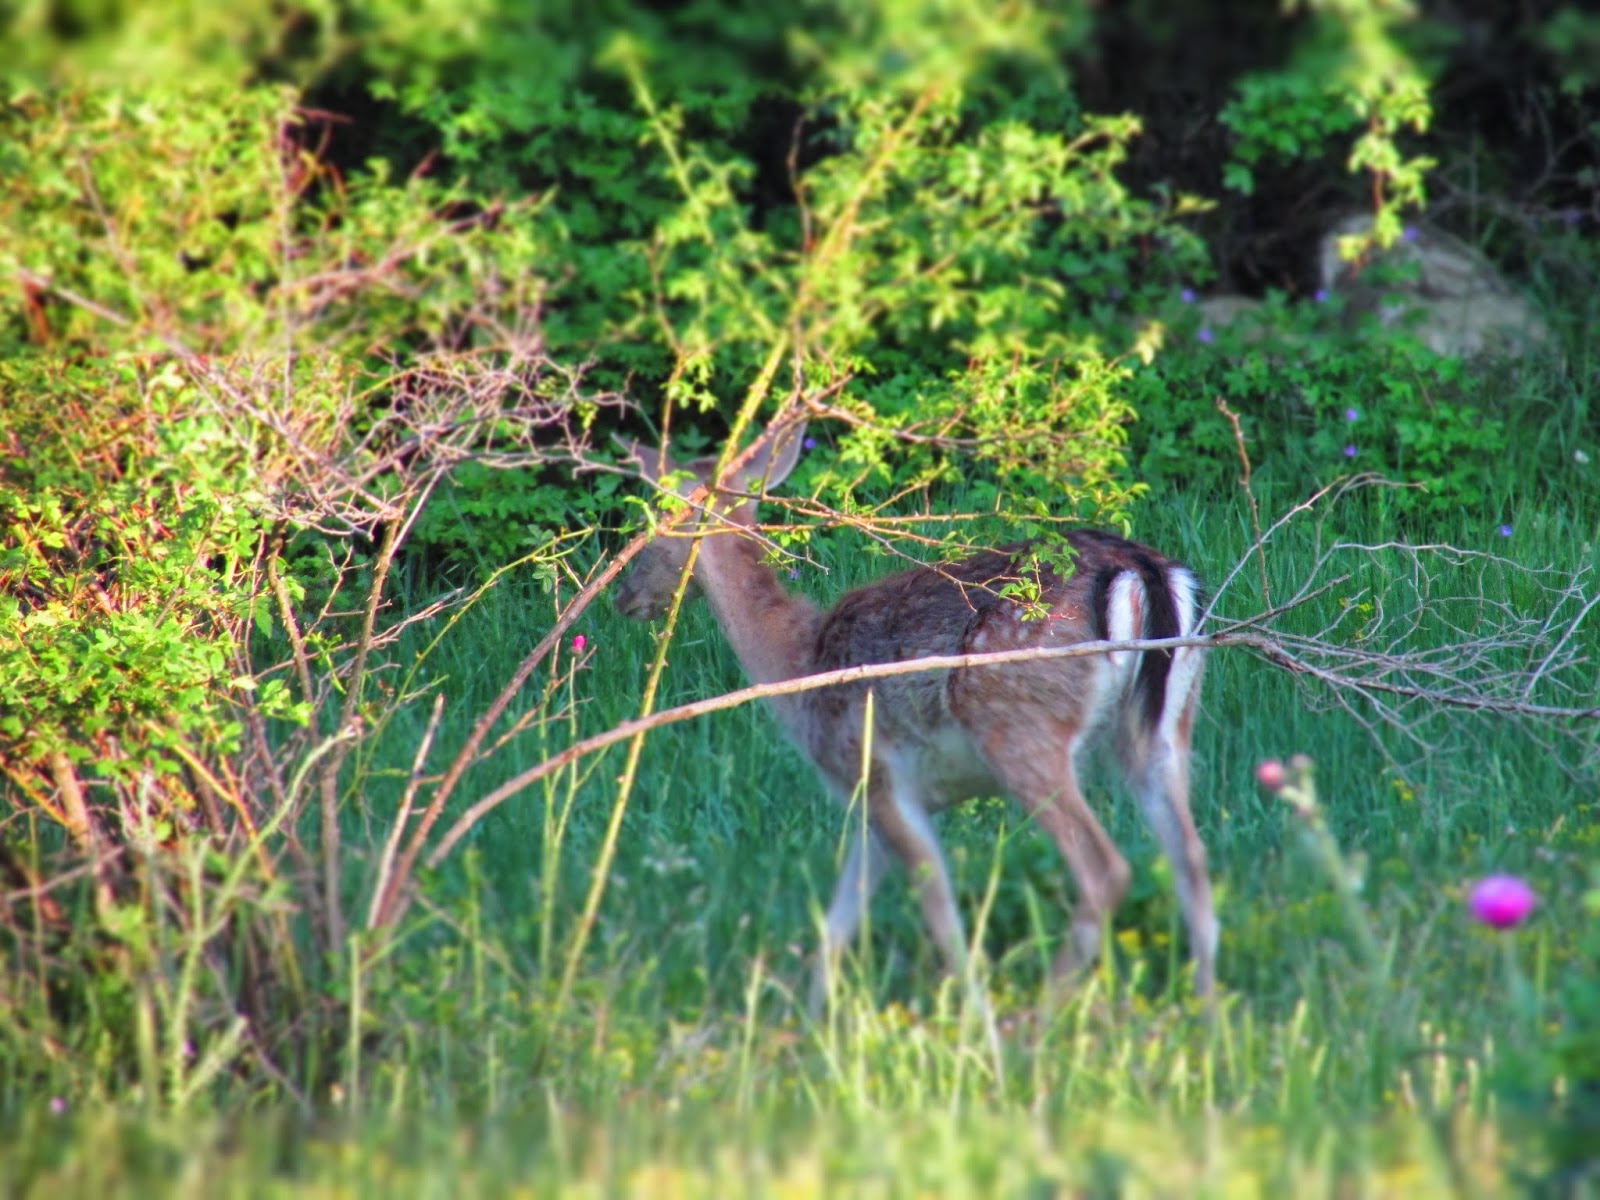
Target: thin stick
1249, 495
392, 843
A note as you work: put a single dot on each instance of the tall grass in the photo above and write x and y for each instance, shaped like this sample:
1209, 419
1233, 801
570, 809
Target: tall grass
682, 1065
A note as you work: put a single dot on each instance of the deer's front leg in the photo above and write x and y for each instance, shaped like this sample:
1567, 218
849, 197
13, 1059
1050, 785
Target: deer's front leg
864, 868
907, 830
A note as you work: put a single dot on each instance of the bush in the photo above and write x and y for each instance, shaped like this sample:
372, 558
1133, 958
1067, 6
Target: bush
242, 399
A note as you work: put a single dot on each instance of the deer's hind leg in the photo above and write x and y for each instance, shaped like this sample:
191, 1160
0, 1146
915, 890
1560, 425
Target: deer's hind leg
1156, 764
1036, 762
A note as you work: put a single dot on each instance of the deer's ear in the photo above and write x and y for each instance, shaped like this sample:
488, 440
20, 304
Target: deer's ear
652, 463
772, 466
627, 447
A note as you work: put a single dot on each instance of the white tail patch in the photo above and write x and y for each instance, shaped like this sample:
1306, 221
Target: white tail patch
1125, 609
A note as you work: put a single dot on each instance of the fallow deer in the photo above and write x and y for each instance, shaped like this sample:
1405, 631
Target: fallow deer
939, 737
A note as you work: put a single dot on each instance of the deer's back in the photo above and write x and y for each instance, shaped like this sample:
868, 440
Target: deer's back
957, 609
929, 611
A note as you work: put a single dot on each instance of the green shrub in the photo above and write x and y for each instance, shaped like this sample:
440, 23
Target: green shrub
1318, 401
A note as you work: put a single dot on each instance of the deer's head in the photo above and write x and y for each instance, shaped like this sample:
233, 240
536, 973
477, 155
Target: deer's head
645, 592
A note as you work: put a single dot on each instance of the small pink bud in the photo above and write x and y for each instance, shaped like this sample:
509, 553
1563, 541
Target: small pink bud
58, 1106
578, 643
1502, 901
1271, 775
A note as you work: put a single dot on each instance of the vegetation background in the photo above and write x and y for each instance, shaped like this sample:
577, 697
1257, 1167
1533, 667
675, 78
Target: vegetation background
320, 868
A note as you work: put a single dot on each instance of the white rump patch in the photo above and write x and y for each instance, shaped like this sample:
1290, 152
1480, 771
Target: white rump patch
1125, 609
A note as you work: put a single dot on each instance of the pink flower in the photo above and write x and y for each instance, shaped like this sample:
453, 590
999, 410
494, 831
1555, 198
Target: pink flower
1502, 901
1271, 775
578, 643
58, 1106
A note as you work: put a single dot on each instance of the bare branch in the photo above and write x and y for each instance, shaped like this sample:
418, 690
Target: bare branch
1295, 655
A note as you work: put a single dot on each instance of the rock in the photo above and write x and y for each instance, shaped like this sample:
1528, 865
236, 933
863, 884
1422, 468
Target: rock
1455, 303
1223, 309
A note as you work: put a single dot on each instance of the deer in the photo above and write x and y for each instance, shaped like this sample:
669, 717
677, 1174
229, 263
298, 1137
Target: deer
938, 737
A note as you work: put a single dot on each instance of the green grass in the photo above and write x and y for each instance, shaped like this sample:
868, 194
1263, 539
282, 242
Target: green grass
680, 1065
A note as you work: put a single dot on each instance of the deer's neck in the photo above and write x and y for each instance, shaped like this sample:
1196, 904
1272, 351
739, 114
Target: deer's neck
772, 632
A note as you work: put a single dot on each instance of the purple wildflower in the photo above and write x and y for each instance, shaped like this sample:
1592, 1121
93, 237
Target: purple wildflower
1505, 531
1351, 414
58, 1106
1320, 296
794, 572
1349, 451
1187, 295
810, 443
1409, 233
1501, 901
1205, 335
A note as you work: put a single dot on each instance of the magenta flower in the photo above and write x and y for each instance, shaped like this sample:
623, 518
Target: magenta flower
1502, 901
578, 643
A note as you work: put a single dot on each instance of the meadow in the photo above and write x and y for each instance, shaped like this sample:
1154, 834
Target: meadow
1370, 1039
319, 326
